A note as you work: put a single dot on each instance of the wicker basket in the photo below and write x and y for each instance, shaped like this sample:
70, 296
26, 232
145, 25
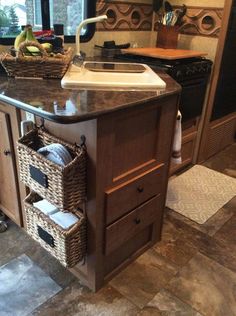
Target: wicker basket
42, 66
68, 246
63, 186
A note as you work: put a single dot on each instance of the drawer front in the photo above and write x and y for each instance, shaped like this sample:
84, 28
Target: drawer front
129, 195
129, 225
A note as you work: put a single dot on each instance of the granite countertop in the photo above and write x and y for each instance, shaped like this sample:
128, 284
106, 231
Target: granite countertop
47, 99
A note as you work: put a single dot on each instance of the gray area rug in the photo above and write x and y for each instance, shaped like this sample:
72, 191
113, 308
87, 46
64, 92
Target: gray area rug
23, 287
199, 193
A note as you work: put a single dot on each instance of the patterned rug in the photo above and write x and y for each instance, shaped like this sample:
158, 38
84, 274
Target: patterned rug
199, 193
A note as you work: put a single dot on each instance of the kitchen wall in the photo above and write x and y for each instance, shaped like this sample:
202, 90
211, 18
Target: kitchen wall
146, 38
126, 27
131, 22
198, 42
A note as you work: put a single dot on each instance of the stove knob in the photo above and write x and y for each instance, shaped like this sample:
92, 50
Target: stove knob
179, 74
189, 72
201, 69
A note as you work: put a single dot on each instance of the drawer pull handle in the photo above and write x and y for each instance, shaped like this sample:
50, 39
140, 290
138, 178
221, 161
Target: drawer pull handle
137, 221
7, 152
140, 189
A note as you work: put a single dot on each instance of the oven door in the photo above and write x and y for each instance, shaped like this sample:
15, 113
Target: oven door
192, 97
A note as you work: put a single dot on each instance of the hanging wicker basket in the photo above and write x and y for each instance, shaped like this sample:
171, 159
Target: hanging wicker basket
63, 186
68, 246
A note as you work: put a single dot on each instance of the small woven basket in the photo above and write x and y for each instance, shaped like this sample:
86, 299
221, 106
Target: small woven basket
68, 246
63, 186
42, 66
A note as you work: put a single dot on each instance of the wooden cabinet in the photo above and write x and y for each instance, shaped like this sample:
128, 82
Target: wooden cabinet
129, 149
219, 126
9, 191
127, 172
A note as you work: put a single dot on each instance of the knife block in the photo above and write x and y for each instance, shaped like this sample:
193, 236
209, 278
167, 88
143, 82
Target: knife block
167, 36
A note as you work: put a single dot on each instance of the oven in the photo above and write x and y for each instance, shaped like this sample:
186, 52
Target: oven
191, 73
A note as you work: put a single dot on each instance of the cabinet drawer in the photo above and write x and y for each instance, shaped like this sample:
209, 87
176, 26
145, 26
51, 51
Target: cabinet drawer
130, 194
128, 226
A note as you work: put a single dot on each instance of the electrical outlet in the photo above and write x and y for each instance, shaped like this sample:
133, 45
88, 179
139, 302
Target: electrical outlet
30, 117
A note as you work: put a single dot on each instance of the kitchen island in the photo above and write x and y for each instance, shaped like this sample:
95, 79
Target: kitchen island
128, 138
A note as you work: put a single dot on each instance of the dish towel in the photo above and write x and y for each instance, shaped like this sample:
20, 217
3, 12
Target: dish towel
65, 220
176, 150
46, 207
56, 153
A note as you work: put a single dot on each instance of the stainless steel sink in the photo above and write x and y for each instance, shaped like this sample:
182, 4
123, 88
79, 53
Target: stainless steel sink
105, 75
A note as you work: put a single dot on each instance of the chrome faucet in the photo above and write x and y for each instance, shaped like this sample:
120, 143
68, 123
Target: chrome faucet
78, 58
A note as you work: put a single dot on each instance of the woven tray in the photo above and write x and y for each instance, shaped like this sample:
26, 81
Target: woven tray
63, 186
68, 246
42, 66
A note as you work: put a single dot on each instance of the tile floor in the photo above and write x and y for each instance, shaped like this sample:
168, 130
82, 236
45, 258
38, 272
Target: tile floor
24, 286
191, 272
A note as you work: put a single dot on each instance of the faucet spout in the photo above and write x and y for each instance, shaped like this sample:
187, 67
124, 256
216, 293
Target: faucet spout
82, 24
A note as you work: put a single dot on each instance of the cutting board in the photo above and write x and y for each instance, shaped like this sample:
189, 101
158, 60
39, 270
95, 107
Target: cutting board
164, 53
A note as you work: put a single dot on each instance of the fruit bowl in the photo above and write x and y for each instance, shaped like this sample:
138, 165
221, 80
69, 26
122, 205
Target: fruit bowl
41, 65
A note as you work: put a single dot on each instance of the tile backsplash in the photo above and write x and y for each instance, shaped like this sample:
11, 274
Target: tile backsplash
133, 21
131, 16
124, 16
199, 31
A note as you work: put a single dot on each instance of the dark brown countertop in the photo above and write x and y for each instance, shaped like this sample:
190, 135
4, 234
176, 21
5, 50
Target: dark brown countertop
47, 99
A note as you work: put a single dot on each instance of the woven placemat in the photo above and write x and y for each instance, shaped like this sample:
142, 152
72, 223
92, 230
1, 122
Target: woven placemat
199, 193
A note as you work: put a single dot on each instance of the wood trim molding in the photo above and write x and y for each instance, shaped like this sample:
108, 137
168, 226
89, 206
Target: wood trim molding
201, 21
203, 153
124, 16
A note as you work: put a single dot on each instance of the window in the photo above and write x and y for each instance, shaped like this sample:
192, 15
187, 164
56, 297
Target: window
43, 14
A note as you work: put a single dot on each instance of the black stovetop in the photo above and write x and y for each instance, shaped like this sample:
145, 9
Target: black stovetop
179, 69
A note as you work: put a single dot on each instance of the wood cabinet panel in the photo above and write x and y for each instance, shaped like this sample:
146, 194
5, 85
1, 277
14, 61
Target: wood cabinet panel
129, 225
221, 134
217, 132
9, 196
127, 252
135, 140
142, 159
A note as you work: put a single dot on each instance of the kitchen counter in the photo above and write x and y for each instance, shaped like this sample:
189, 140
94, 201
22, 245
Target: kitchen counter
47, 99
129, 137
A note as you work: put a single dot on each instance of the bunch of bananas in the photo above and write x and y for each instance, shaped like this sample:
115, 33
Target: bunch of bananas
28, 36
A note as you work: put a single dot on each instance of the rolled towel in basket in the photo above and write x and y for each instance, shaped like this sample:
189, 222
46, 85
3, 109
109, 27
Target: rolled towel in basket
45, 207
56, 153
176, 150
65, 220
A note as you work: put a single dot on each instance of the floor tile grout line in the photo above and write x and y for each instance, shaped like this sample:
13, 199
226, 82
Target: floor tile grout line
207, 255
222, 226
164, 259
41, 305
180, 268
209, 258
165, 287
124, 296
186, 303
